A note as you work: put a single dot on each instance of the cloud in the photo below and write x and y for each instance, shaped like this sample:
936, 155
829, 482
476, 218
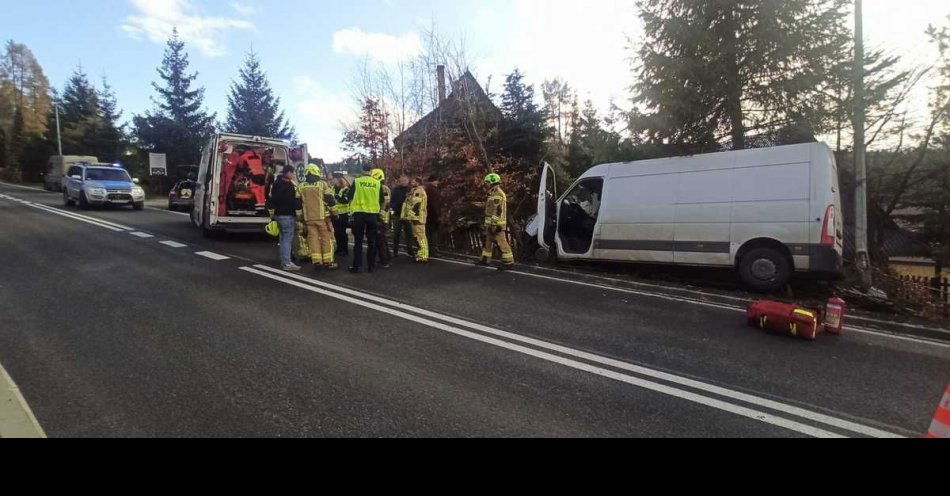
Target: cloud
318, 116
155, 19
380, 46
584, 43
242, 9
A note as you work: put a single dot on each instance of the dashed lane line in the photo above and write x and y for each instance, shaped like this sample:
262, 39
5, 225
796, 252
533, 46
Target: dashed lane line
141, 234
211, 255
173, 244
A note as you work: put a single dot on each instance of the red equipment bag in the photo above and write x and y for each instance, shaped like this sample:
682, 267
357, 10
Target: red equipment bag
785, 318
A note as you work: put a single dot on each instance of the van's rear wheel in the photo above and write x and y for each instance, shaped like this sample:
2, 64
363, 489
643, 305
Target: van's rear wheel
764, 269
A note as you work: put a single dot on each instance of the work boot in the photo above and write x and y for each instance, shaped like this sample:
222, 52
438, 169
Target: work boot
506, 266
355, 270
484, 262
317, 266
332, 266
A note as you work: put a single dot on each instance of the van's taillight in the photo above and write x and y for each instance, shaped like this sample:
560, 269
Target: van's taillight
828, 229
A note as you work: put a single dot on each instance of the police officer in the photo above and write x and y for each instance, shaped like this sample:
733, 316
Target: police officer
496, 223
365, 203
317, 195
382, 245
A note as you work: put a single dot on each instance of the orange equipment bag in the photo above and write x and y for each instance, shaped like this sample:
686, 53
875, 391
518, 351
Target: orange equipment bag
785, 318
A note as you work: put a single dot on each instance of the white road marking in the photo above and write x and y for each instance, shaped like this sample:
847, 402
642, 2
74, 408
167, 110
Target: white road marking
16, 417
211, 255
21, 186
88, 217
363, 299
173, 244
70, 216
722, 306
141, 235
169, 211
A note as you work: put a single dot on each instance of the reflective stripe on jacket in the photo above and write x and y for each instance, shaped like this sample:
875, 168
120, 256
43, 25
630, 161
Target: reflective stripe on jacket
342, 206
496, 208
415, 207
385, 204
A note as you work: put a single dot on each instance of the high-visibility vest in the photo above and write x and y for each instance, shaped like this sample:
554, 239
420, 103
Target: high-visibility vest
415, 207
385, 206
314, 203
365, 195
496, 208
342, 207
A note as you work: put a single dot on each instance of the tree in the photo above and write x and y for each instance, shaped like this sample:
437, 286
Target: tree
80, 118
110, 138
369, 138
178, 125
712, 72
252, 107
523, 128
24, 86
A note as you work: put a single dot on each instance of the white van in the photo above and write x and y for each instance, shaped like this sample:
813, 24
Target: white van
57, 166
766, 212
216, 205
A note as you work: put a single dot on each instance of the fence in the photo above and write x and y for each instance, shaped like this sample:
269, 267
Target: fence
930, 293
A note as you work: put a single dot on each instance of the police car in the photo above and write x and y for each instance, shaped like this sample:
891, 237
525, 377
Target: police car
101, 184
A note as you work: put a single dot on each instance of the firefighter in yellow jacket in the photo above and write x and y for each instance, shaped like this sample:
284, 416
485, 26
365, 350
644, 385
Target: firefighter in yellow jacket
414, 210
317, 195
496, 224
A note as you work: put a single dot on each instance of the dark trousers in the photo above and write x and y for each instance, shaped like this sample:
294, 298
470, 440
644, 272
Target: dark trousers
404, 230
382, 244
339, 230
364, 226
432, 234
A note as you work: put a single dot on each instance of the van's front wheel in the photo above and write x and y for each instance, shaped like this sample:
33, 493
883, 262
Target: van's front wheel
764, 270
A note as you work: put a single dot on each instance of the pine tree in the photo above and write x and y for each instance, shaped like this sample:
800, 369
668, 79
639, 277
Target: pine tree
178, 125
252, 107
523, 128
716, 72
110, 138
369, 139
23, 85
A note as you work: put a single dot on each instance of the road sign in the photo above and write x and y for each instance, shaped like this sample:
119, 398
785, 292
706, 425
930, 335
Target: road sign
156, 164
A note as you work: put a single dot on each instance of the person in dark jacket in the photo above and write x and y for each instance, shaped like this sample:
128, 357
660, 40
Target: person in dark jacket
434, 213
284, 203
402, 229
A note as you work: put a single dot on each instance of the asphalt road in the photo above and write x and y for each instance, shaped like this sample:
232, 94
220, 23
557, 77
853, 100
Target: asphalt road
118, 323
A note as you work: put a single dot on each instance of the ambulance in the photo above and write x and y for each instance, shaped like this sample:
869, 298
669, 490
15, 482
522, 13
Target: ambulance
234, 179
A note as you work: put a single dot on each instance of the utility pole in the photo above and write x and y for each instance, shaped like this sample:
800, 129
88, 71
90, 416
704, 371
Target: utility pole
59, 141
860, 167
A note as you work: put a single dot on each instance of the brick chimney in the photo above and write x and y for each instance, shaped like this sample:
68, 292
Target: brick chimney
440, 75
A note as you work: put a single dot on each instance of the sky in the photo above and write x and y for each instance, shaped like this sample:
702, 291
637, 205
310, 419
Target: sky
311, 49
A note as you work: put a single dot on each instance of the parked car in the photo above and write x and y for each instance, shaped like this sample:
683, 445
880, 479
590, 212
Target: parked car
765, 212
58, 165
101, 184
182, 196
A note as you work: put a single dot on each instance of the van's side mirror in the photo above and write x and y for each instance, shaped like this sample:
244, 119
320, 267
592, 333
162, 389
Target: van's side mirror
135, 180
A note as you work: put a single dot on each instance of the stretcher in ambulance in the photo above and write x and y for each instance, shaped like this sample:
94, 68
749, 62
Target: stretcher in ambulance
234, 180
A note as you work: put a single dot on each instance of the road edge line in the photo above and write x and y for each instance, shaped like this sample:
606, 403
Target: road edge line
26, 426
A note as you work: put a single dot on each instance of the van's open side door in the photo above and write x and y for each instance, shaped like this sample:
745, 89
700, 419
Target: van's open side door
547, 208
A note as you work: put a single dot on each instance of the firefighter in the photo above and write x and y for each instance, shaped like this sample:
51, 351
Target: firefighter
496, 223
341, 214
317, 195
382, 245
366, 198
414, 210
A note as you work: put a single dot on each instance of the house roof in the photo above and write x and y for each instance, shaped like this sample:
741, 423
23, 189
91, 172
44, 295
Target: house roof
465, 91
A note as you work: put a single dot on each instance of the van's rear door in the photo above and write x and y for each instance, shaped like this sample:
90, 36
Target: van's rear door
547, 207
